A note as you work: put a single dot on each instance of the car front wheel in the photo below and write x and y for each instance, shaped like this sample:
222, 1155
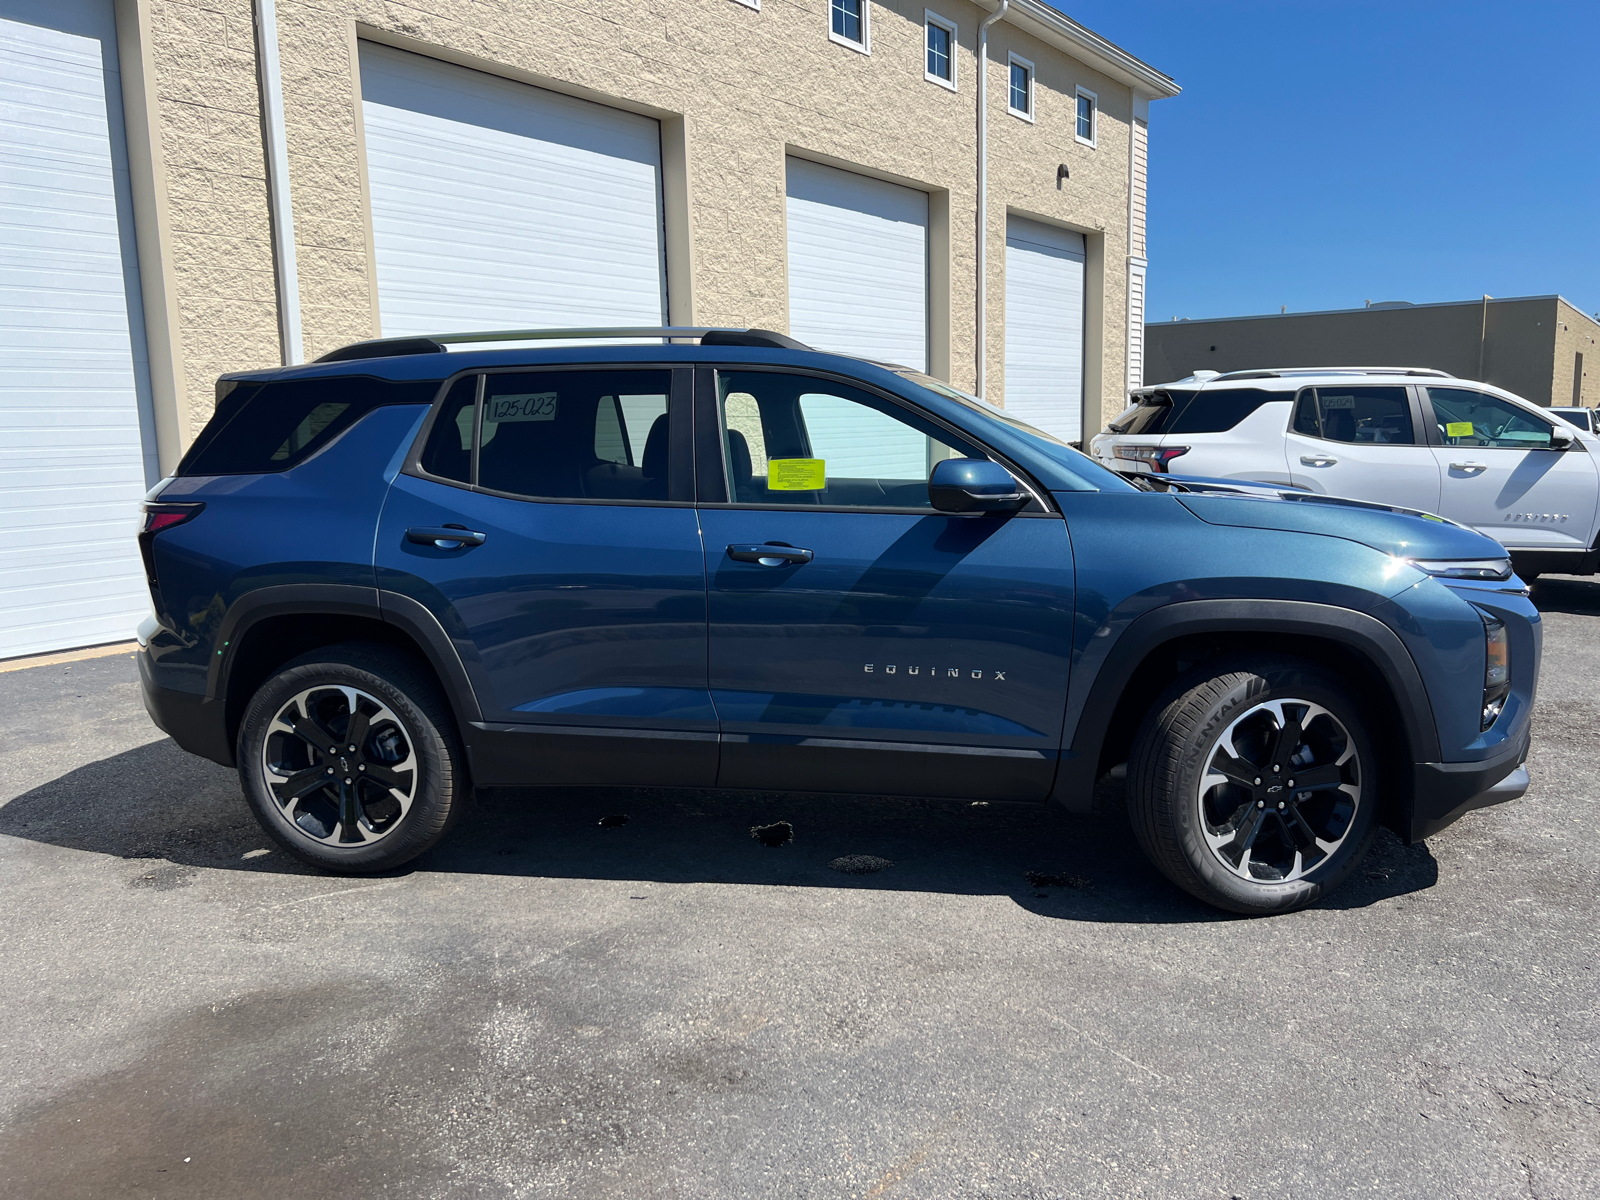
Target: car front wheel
349, 758
1252, 784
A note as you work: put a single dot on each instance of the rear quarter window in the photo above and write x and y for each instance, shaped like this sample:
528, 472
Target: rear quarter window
263, 428
1219, 411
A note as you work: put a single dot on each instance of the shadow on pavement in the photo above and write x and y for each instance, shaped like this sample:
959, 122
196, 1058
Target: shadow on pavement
158, 802
1579, 595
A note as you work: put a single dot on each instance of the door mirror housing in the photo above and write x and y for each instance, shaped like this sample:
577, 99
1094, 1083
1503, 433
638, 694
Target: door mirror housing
1561, 439
974, 485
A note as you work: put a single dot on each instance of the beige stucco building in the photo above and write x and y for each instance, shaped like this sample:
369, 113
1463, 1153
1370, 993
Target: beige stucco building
204, 186
1543, 348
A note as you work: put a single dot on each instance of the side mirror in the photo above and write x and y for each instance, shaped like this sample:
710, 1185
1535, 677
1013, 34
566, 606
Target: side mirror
1561, 439
973, 485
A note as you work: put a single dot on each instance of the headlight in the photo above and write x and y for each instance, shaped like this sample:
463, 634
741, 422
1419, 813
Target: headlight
1155, 457
1497, 667
1465, 568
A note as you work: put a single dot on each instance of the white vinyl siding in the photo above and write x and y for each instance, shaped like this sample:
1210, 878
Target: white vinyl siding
858, 264
1140, 186
1136, 270
496, 205
1044, 327
76, 453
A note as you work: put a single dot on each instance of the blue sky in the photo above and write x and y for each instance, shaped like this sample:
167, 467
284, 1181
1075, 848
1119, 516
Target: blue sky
1322, 155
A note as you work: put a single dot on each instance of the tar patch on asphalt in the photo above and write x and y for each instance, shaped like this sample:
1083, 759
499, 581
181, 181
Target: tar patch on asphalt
1047, 879
860, 864
779, 833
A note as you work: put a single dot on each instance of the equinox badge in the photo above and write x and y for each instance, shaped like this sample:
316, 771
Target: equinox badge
949, 672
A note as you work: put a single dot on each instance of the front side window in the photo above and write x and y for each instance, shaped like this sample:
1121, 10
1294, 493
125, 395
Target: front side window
556, 435
1087, 102
941, 51
1020, 101
796, 440
1468, 418
1357, 415
848, 20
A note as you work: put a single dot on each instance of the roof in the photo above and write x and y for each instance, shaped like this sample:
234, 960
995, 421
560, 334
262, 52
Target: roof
1386, 307
1053, 26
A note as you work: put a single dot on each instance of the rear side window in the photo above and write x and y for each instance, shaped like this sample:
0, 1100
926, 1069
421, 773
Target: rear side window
1154, 412
1219, 411
1358, 415
262, 428
556, 435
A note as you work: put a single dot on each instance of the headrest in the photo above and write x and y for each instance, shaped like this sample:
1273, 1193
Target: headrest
654, 460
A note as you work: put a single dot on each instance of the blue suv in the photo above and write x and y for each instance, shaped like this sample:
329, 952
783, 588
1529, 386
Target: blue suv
722, 559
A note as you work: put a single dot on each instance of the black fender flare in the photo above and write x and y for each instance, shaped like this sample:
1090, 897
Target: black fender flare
1364, 633
343, 599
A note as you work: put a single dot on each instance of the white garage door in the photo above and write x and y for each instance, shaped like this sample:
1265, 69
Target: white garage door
74, 393
1044, 327
496, 205
858, 265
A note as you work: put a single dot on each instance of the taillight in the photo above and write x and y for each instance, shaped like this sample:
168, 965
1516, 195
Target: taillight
164, 516
159, 517
1155, 457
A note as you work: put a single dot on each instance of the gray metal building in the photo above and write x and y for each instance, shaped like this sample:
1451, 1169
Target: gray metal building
1540, 347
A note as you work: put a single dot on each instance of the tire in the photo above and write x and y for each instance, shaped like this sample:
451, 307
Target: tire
1221, 824
354, 813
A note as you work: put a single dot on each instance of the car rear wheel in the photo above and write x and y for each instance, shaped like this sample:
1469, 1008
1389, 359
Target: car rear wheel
1252, 784
350, 760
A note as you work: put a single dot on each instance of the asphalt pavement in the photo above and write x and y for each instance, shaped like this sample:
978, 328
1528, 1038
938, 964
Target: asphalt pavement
552, 1004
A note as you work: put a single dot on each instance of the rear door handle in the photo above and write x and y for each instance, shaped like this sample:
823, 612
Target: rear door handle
1318, 460
446, 537
1469, 466
769, 554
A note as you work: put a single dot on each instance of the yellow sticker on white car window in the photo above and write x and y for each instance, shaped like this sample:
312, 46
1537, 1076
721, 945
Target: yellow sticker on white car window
797, 474
1458, 429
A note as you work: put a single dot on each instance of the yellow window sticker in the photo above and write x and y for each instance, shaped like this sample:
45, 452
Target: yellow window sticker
797, 474
1458, 429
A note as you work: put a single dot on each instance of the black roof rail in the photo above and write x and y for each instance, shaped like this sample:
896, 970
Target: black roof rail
437, 343
1285, 372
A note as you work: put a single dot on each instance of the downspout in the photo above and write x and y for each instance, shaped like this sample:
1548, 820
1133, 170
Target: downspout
983, 186
278, 202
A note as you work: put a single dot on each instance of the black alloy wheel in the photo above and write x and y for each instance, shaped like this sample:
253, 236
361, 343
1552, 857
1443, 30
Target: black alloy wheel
349, 757
1252, 784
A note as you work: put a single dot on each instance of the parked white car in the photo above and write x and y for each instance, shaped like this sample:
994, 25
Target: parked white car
1410, 437
1583, 418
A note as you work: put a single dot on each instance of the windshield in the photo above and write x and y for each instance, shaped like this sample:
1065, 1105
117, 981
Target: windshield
1079, 472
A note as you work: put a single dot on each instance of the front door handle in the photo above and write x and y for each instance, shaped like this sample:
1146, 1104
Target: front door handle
446, 537
1318, 460
1469, 466
769, 554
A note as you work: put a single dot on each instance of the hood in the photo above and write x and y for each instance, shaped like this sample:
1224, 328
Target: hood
1402, 532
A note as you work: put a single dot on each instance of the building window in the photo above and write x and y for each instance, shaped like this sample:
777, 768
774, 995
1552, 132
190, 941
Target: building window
941, 65
1088, 117
1020, 98
848, 22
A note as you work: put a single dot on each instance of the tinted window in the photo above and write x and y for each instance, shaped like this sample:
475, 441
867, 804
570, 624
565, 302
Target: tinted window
448, 453
792, 439
1468, 418
1376, 415
261, 428
1219, 411
575, 435
1153, 413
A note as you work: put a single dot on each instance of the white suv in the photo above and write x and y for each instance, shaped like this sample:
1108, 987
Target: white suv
1410, 437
